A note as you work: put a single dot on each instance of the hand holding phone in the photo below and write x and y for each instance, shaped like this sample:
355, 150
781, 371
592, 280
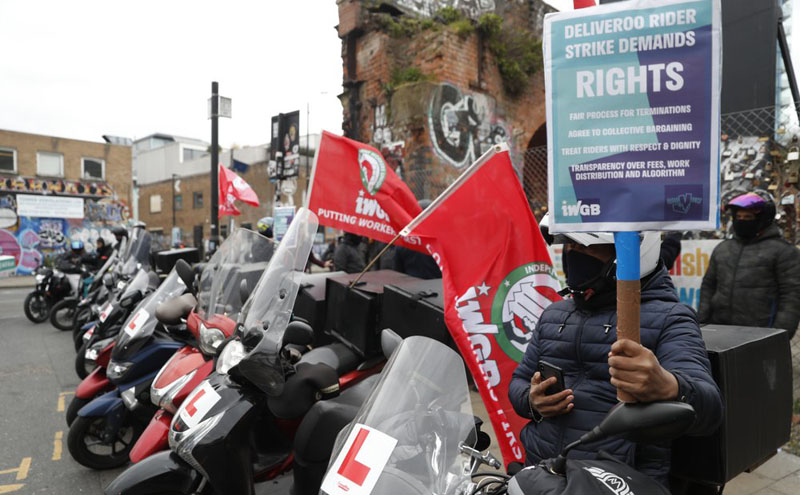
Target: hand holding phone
548, 370
554, 400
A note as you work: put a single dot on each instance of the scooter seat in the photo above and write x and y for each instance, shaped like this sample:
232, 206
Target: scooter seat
335, 355
317, 432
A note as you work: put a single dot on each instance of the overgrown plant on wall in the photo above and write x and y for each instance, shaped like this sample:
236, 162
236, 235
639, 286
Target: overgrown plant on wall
517, 51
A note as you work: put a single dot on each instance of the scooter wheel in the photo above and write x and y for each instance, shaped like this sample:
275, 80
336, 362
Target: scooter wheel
82, 367
87, 445
37, 309
77, 338
75, 406
82, 317
62, 316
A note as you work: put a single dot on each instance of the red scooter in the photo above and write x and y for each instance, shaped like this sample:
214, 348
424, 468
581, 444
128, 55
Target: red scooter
211, 322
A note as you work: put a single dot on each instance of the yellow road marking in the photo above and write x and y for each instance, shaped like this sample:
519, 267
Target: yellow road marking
57, 446
22, 470
10, 488
61, 402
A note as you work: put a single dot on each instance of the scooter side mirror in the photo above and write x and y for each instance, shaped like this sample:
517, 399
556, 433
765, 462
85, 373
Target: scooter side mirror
646, 423
244, 291
108, 280
298, 333
186, 274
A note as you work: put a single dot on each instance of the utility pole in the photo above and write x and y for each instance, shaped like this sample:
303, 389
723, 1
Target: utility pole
214, 236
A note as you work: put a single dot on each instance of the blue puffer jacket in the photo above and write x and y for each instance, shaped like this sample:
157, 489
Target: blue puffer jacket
579, 342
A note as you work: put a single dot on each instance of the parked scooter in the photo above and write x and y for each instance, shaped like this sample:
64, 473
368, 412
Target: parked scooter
87, 308
419, 425
51, 286
105, 429
244, 255
136, 257
110, 319
258, 396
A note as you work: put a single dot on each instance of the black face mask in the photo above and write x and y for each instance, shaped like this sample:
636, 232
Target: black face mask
582, 270
746, 229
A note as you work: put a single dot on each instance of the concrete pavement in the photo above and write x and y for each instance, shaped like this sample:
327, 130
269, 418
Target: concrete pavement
15, 282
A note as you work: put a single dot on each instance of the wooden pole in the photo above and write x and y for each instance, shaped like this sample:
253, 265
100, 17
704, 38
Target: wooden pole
628, 292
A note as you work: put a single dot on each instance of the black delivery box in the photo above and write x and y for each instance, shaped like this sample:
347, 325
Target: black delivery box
353, 315
165, 260
416, 307
753, 369
310, 303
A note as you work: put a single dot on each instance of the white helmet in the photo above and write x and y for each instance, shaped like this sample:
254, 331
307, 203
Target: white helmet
649, 247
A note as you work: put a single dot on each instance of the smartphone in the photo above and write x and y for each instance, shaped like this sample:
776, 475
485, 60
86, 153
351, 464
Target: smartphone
548, 370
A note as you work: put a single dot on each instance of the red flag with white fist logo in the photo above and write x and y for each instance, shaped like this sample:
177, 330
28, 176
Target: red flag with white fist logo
497, 276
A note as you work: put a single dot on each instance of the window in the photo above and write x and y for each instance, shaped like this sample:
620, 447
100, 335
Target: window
8, 160
191, 154
93, 168
155, 203
197, 199
49, 164
178, 201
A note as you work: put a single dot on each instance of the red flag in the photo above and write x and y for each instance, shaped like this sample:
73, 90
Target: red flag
582, 4
497, 277
352, 189
237, 187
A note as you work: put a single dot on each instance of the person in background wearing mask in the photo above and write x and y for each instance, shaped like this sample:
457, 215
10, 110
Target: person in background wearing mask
754, 278
578, 334
348, 256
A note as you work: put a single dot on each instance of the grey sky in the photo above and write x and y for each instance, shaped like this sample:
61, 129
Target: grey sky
131, 68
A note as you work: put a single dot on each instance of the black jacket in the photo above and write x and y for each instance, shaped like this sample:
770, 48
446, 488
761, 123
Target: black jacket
753, 283
579, 342
348, 258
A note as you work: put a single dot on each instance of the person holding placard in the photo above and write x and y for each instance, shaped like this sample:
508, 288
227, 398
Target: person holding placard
578, 335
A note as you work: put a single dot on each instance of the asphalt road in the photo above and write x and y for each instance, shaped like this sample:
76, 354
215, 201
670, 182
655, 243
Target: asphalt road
37, 380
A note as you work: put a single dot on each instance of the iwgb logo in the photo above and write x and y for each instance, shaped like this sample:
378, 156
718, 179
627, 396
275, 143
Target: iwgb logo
580, 208
373, 170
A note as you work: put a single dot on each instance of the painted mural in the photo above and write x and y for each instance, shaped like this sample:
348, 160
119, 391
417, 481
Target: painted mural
464, 125
36, 241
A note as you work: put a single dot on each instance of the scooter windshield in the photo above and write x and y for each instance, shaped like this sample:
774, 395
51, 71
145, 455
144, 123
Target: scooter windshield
269, 307
142, 322
103, 269
413, 422
138, 283
137, 252
242, 257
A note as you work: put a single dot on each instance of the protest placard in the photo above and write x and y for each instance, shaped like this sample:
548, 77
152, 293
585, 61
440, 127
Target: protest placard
632, 94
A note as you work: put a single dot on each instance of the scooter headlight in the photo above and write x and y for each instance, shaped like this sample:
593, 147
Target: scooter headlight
232, 354
39, 279
117, 369
210, 339
189, 426
163, 397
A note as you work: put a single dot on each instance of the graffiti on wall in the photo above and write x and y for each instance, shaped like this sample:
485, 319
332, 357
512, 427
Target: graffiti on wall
381, 132
428, 8
62, 187
36, 241
464, 125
